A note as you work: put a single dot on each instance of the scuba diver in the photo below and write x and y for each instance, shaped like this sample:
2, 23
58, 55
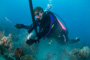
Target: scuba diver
49, 26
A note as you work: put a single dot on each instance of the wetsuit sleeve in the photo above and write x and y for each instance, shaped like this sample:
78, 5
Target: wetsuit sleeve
36, 23
28, 27
32, 26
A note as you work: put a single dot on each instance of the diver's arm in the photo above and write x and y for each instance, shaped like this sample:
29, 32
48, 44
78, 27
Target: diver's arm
36, 23
28, 27
19, 26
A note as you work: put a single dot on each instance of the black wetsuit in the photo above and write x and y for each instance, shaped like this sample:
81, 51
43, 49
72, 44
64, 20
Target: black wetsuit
56, 31
46, 29
44, 25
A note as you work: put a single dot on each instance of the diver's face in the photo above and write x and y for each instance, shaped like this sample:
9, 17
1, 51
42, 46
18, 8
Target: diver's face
39, 16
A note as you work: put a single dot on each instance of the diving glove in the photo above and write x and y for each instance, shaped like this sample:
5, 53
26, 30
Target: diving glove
31, 41
19, 26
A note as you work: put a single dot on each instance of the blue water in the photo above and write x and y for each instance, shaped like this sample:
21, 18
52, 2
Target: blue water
75, 13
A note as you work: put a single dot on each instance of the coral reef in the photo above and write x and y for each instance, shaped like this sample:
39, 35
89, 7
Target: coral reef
18, 53
6, 42
6, 47
79, 54
84, 53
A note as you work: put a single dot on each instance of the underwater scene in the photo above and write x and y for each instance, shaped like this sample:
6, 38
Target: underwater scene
44, 29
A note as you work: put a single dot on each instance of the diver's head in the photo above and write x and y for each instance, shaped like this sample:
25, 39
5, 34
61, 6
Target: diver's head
38, 12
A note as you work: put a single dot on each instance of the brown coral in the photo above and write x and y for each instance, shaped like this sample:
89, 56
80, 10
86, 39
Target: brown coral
18, 53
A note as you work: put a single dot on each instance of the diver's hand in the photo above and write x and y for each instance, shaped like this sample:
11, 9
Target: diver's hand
19, 26
31, 41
